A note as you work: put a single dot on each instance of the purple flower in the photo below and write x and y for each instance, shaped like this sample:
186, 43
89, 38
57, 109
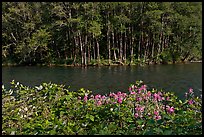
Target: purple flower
98, 96
140, 109
99, 103
190, 102
170, 110
119, 93
103, 97
190, 90
136, 115
157, 117
120, 100
85, 98
156, 113
139, 99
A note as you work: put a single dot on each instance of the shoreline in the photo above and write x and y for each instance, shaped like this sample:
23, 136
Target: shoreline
97, 65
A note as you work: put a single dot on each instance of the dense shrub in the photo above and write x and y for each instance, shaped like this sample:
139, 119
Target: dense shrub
52, 109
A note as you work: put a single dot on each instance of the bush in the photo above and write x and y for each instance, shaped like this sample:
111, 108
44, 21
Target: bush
51, 109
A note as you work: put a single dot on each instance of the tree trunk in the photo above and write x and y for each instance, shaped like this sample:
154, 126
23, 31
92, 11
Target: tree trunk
113, 41
108, 41
125, 40
81, 47
98, 54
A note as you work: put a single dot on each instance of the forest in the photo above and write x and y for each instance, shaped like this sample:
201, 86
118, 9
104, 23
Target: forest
101, 33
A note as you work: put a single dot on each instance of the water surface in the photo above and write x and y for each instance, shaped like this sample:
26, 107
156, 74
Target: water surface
177, 78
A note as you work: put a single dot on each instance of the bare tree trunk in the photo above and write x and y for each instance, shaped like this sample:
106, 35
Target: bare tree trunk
125, 40
85, 45
94, 52
108, 41
113, 40
98, 54
121, 47
81, 47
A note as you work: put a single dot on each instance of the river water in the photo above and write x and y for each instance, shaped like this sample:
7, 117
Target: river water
177, 78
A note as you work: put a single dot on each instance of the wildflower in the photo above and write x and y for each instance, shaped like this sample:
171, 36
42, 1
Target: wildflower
103, 97
148, 93
190, 90
111, 109
186, 94
130, 89
85, 98
139, 99
136, 115
98, 96
157, 117
132, 93
190, 102
120, 100
99, 103
167, 98
156, 113
140, 109
170, 110
119, 93
124, 95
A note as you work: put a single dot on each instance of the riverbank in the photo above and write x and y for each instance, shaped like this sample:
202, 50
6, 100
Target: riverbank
102, 64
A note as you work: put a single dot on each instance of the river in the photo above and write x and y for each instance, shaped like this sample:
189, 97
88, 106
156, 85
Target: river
177, 78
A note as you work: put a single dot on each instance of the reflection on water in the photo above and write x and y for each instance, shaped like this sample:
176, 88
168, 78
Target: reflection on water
177, 78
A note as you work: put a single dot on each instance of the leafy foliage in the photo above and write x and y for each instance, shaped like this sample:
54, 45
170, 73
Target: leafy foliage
51, 109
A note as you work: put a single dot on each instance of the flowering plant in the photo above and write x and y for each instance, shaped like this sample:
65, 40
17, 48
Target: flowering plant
53, 109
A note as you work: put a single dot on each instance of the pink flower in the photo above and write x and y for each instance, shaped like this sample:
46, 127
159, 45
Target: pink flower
170, 110
120, 100
159, 93
157, 117
132, 93
139, 99
97, 96
190, 102
140, 109
167, 98
148, 93
136, 115
103, 97
156, 113
111, 94
157, 97
190, 90
99, 103
119, 93
85, 98
124, 94
130, 89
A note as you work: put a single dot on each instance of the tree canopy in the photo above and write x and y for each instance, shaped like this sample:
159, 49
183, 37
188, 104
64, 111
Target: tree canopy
101, 32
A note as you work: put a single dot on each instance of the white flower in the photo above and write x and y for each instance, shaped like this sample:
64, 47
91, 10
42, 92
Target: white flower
26, 109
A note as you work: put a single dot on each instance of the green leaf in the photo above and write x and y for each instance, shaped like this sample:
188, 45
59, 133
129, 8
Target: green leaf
150, 122
91, 117
140, 122
167, 132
